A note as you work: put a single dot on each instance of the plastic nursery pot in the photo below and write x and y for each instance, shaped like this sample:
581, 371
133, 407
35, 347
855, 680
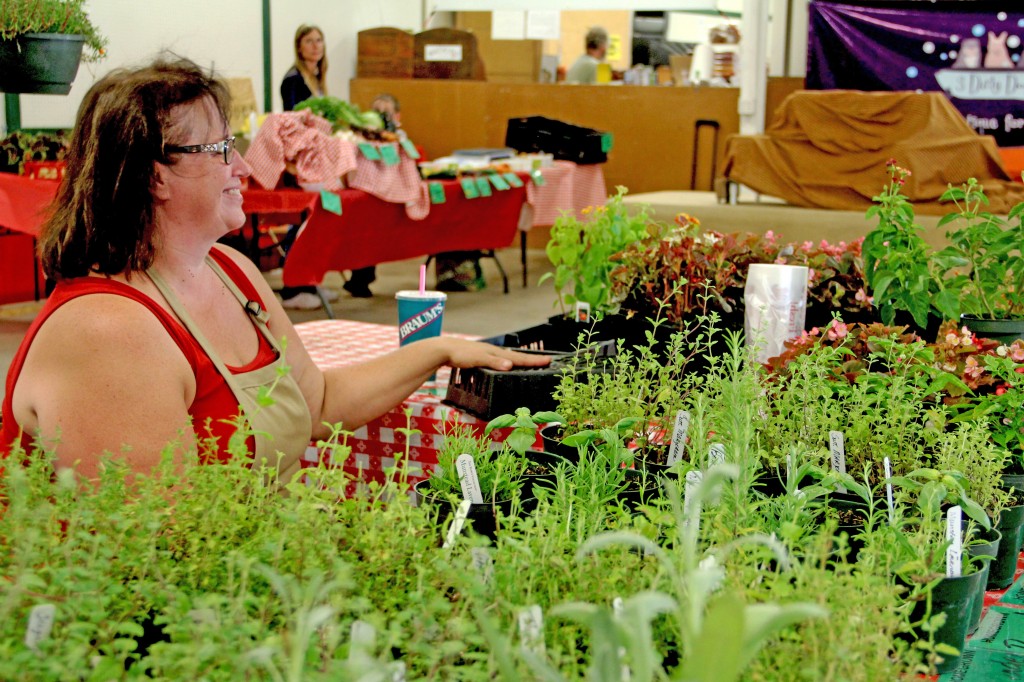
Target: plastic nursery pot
1011, 526
988, 546
853, 514
641, 487
955, 598
482, 518
652, 459
1004, 331
540, 471
551, 435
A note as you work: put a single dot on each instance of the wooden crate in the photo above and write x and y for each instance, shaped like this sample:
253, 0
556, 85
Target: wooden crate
384, 53
447, 53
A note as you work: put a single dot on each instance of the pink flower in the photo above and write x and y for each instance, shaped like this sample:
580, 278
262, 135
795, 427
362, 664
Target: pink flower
861, 295
837, 331
972, 369
1017, 352
952, 339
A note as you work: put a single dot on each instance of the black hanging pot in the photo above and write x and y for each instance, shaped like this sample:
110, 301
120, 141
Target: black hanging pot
42, 63
1004, 331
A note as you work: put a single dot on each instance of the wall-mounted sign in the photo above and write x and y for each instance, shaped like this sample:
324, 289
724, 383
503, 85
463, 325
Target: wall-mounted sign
442, 53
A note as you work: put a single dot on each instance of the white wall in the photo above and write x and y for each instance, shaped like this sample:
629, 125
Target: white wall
225, 34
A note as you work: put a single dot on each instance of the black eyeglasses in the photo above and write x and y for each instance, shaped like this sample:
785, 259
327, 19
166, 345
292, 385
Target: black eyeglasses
227, 146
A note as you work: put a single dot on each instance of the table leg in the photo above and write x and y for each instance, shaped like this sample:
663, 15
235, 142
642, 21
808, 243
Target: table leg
522, 254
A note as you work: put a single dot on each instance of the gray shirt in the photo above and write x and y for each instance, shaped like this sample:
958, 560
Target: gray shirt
584, 71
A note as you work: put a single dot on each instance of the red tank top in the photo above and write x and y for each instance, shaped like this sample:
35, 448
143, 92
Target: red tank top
214, 408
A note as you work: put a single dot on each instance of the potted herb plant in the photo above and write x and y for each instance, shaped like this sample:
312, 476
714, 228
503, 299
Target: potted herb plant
42, 42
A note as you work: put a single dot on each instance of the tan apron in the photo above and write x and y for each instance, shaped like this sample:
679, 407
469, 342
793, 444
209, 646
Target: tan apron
281, 430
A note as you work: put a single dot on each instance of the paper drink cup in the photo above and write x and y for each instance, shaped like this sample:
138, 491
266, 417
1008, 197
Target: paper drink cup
419, 315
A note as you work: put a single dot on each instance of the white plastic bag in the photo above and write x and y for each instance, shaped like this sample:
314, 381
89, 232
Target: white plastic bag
775, 298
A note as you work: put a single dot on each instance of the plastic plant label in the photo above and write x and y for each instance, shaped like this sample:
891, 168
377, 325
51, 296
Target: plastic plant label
716, 454
679, 430
954, 517
389, 153
469, 188
369, 151
693, 479
500, 183
581, 312
330, 201
483, 563
837, 448
888, 491
398, 671
483, 186
531, 628
512, 179
607, 140
436, 190
40, 623
362, 636
468, 479
461, 514
538, 178
617, 612
410, 148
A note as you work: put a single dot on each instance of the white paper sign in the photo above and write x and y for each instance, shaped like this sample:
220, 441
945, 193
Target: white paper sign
442, 53
837, 448
40, 623
468, 479
679, 431
531, 628
954, 519
716, 454
544, 25
461, 514
508, 25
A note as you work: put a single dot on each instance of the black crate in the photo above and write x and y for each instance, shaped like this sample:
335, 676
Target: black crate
564, 141
488, 393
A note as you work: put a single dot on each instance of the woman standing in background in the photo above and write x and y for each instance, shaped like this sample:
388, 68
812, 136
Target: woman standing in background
308, 78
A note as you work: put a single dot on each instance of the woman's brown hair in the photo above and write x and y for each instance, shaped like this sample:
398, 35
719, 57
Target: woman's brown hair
319, 78
102, 218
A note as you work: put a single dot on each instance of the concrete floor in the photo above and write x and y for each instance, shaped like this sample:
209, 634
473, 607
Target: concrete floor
482, 313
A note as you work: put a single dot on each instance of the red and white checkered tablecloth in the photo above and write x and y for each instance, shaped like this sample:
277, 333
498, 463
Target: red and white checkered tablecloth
398, 184
336, 343
304, 139
567, 187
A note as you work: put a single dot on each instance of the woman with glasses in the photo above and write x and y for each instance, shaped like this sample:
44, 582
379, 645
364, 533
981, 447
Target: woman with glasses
155, 334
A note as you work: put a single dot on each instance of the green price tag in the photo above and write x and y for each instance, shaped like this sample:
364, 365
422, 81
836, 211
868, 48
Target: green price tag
513, 179
389, 153
436, 192
469, 188
483, 186
537, 178
606, 142
369, 151
499, 182
330, 201
410, 148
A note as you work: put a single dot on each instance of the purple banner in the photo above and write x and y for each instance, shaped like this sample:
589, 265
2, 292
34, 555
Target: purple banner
972, 54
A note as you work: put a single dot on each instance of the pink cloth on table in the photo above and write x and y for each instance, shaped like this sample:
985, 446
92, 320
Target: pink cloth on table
302, 138
568, 188
398, 184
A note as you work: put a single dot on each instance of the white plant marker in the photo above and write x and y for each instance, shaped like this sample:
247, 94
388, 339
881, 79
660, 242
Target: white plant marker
582, 311
363, 636
461, 514
483, 563
398, 671
693, 479
40, 623
716, 454
617, 611
682, 425
954, 517
468, 479
888, 492
531, 628
837, 448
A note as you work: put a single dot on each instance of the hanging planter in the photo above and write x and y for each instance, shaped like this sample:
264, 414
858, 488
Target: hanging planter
41, 63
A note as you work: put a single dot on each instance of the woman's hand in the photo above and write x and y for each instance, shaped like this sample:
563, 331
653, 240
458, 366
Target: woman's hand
463, 353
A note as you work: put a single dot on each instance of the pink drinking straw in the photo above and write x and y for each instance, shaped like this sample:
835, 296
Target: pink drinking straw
423, 279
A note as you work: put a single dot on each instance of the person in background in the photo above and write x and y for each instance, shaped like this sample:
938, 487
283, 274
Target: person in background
358, 283
157, 337
307, 78
584, 70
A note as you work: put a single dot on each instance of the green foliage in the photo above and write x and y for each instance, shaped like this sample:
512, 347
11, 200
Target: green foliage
582, 251
341, 114
499, 471
52, 16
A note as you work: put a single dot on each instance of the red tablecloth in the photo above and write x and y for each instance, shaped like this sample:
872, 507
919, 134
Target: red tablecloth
567, 187
335, 343
371, 231
23, 202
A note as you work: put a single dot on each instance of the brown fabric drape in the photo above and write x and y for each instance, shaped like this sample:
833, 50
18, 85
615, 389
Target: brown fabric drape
828, 149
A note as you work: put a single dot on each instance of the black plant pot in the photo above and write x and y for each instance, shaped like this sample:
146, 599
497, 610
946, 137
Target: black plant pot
1003, 331
989, 546
43, 63
551, 435
1002, 568
541, 470
853, 515
955, 598
482, 518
